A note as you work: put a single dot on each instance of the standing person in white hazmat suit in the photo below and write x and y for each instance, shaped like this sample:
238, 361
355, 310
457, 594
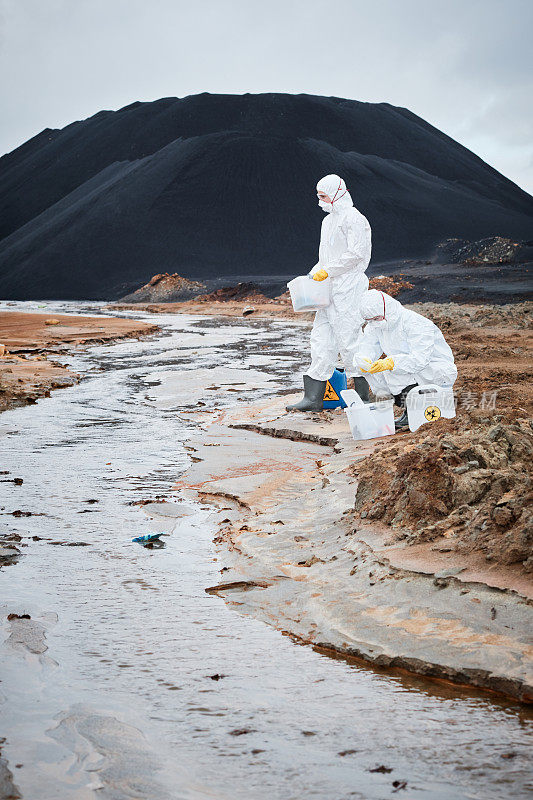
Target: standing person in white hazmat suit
343, 256
416, 352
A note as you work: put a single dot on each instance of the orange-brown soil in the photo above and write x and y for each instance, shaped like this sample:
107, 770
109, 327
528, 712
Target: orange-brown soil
466, 480
278, 307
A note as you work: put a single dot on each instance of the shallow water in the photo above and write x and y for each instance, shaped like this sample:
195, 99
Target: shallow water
122, 703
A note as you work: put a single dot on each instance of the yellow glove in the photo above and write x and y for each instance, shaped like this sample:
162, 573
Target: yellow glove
321, 275
381, 365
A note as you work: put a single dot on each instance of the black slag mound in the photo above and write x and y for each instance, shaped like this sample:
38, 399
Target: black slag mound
224, 186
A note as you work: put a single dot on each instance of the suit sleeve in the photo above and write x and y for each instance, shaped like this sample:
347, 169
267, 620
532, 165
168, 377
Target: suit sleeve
421, 346
369, 345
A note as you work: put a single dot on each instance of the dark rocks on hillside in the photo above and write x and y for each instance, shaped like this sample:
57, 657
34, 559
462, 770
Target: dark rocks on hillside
223, 186
492, 250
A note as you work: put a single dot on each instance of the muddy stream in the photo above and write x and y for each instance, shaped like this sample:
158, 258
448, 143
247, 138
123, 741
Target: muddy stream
129, 681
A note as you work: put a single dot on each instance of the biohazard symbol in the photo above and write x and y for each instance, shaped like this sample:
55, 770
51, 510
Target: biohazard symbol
330, 393
432, 413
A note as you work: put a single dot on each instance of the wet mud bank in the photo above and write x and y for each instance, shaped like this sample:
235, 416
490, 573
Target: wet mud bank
284, 489
31, 343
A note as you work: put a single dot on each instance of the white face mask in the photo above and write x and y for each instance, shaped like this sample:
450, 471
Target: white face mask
327, 207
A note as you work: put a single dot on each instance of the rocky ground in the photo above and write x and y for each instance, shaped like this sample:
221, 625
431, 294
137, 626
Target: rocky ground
31, 343
490, 270
243, 299
218, 308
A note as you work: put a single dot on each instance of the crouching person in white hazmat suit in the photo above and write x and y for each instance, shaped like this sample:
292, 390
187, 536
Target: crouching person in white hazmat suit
343, 256
416, 352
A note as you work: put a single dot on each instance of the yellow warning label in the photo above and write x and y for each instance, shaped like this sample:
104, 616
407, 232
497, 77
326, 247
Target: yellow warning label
432, 413
330, 393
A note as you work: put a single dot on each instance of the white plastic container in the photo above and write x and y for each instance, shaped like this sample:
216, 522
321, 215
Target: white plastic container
309, 295
428, 404
369, 420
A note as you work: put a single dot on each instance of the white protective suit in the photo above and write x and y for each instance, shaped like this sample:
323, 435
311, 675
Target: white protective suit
419, 350
345, 246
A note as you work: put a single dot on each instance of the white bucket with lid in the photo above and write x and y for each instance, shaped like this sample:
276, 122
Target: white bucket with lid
309, 295
368, 420
428, 404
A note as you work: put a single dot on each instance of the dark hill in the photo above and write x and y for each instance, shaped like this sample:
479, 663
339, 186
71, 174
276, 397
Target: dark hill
224, 185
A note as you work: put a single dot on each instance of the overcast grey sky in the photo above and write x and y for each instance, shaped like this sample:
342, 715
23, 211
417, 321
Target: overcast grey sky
463, 65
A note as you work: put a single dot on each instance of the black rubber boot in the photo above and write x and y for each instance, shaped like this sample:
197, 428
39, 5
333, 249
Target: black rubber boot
362, 388
399, 399
402, 422
313, 399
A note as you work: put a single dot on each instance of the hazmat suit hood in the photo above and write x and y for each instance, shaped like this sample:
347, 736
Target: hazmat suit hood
379, 304
335, 188
419, 351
